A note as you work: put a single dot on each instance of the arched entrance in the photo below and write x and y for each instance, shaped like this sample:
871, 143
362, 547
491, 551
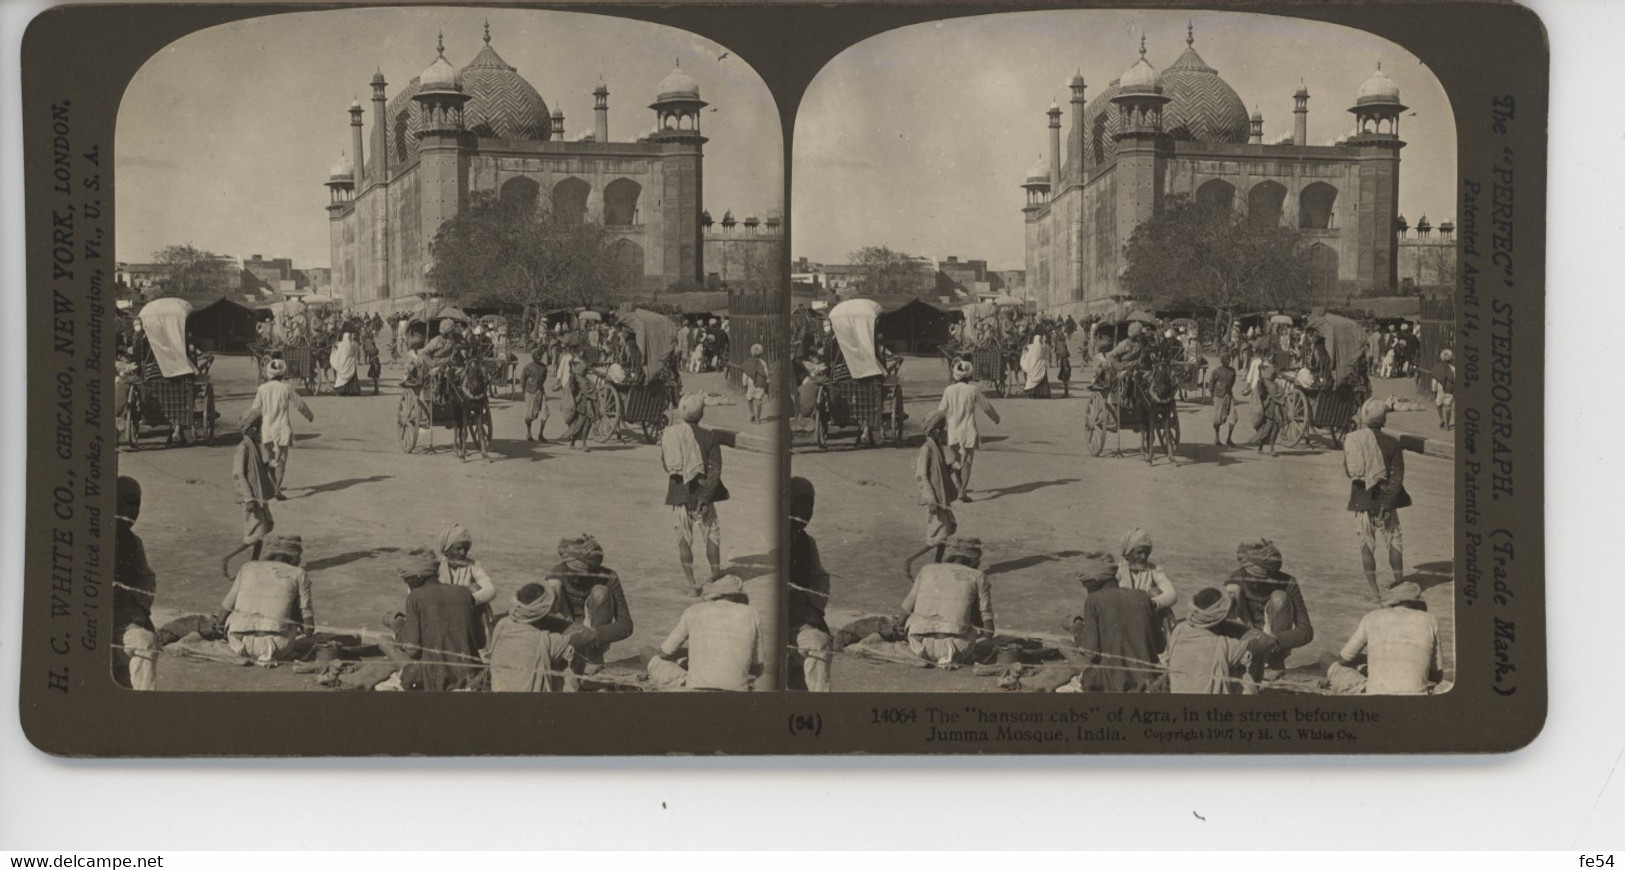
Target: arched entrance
1264, 204
621, 202
1217, 194
570, 200
1315, 206
520, 191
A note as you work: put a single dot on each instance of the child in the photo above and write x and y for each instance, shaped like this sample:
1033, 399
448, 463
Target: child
531, 381
255, 485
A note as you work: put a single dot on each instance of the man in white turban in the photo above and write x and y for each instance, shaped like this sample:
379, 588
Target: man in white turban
1375, 464
692, 458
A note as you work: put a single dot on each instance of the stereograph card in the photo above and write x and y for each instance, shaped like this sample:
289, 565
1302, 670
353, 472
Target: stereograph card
784, 379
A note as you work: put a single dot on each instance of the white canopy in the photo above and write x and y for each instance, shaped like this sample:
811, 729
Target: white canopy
853, 322
164, 321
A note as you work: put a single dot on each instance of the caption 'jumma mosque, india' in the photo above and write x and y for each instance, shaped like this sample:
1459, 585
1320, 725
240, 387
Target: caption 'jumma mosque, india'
451, 132
1184, 130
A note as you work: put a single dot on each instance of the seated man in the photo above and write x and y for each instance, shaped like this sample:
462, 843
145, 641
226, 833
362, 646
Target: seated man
1269, 606
1400, 643
1118, 635
950, 605
718, 638
1201, 659
437, 636
590, 597
808, 594
271, 617
529, 651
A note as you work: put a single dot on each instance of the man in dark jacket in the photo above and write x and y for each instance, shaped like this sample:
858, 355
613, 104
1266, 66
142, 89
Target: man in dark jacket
135, 651
437, 636
1268, 608
809, 596
1118, 635
591, 598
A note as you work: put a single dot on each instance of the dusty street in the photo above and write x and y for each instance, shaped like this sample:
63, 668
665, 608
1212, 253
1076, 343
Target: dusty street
1040, 501
357, 500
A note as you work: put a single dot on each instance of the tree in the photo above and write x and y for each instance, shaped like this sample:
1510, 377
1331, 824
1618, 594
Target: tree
498, 252
195, 272
1206, 257
886, 271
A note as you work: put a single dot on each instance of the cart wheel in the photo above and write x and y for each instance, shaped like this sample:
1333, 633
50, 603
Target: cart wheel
132, 423
1094, 425
821, 428
608, 422
406, 423
1297, 419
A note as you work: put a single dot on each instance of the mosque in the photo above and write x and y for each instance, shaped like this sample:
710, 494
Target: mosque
1183, 130
451, 132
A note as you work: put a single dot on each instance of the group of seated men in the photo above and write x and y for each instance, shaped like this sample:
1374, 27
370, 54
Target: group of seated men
1233, 637
553, 636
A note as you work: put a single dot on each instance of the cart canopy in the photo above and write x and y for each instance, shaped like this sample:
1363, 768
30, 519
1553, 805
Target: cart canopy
854, 324
655, 332
164, 321
1345, 341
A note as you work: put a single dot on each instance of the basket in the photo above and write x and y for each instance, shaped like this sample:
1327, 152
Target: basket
857, 403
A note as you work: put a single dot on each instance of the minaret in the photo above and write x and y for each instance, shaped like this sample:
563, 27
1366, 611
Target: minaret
1376, 122
558, 125
600, 113
380, 124
355, 141
1300, 116
1054, 147
380, 128
677, 109
1080, 150
1255, 135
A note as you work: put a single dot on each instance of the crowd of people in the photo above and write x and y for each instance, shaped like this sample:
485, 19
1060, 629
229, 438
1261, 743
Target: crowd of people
1133, 633
447, 635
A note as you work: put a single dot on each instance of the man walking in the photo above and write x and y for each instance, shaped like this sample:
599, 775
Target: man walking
960, 402
274, 401
693, 462
1221, 385
1375, 464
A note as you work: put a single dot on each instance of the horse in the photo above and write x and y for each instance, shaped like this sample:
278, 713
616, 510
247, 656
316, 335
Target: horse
1150, 394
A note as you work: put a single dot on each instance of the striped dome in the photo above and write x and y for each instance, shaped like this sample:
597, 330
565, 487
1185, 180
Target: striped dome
1202, 107
502, 105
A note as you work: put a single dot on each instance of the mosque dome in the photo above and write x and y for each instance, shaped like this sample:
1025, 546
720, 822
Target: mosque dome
1038, 173
502, 105
343, 169
1378, 89
1202, 107
439, 75
1140, 78
677, 85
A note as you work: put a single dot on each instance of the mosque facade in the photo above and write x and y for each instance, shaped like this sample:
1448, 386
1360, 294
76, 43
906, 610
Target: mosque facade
451, 133
1153, 134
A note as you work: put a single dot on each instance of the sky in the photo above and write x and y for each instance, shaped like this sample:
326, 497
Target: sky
918, 138
225, 137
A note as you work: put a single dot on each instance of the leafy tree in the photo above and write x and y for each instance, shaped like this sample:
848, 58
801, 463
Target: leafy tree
887, 271
498, 252
193, 271
1208, 258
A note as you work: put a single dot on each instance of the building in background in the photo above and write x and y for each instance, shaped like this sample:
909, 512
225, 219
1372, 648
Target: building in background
1183, 130
452, 132
747, 250
1427, 262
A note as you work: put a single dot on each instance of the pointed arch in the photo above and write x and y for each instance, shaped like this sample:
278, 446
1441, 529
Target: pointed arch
1217, 193
570, 200
1265, 204
621, 202
521, 191
1315, 206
